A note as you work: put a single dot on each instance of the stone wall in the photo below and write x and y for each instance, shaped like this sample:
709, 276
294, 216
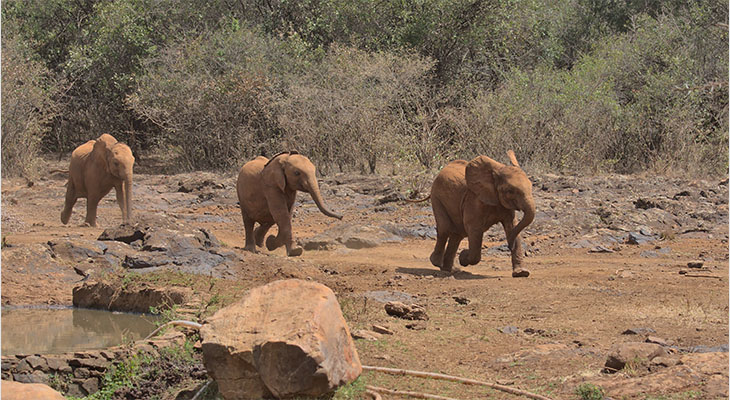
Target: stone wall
79, 373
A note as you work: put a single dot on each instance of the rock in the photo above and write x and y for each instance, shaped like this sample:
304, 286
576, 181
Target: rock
352, 236
124, 233
366, 335
600, 249
416, 326
385, 296
623, 353
390, 197
382, 330
285, 339
638, 238
461, 300
657, 340
638, 331
90, 385
695, 264
406, 311
509, 329
145, 261
101, 295
24, 391
645, 204
665, 361
77, 250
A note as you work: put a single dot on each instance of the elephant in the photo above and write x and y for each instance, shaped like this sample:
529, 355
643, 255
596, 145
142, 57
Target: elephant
267, 190
96, 167
468, 197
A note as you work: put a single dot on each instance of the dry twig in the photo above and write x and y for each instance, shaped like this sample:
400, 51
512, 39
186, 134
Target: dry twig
451, 378
406, 393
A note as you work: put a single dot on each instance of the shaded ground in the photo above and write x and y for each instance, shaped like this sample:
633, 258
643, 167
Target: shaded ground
548, 333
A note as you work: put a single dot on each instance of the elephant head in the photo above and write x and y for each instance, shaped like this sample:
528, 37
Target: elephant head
291, 171
497, 184
117, 160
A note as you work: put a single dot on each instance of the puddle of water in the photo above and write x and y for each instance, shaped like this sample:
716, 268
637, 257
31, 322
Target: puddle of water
61, 330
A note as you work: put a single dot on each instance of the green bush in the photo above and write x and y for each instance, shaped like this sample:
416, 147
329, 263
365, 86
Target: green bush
28, 93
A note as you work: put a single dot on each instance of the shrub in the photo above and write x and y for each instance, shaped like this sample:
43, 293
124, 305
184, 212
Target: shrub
210, 96
28, 92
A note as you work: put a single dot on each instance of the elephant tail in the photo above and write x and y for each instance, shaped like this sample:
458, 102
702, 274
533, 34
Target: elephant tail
419, 200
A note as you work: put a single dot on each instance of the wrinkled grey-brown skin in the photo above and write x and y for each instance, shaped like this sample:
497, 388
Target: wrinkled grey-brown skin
468, 198
96, 167
267, 190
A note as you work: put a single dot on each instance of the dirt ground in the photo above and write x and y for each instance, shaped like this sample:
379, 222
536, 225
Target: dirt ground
549, 333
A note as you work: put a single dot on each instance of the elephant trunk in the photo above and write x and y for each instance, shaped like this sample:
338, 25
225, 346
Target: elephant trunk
529, 215
313, 190
127, 192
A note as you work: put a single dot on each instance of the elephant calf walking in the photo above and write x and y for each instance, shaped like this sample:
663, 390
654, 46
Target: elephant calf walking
468, 198
96, 167
267, 190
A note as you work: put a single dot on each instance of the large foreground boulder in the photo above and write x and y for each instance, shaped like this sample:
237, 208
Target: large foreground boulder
283, 339
24, 391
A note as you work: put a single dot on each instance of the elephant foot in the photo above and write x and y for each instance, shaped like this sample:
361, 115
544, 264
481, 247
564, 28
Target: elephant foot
436, 259
295, 251
65, 217
87, 225
271, 244
520, 273
252, 249
465, 260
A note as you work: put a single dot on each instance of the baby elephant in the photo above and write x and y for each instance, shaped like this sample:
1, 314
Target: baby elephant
266, 193
96, 167
468, 198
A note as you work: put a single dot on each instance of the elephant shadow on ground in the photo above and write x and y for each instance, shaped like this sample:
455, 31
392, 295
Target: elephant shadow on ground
461, 274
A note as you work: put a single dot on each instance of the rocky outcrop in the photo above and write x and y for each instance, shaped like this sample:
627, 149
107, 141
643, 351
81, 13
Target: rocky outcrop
639, 352
24, 391
352, 237
284, 339
104, 296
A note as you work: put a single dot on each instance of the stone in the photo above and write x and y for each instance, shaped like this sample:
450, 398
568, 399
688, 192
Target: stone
81, 373
695, 264
509, 329
416, 326
657, 340
665, 361
623, 353
461, 300
406, 311
37, 363
284, 339
637, 238
34, 377
366, 335
24, 391
100, 295
90, 385
638, 331
58, 364
382, 330
124, 233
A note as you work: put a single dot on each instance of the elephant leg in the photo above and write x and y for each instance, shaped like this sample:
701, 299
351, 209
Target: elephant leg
260, 233
282, 216
450, 253
92, 203
437, 256
249, 231
68, 204
517, 255
473, 254
442, 233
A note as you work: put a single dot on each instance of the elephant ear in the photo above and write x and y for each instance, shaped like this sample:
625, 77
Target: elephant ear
273, 173
512, 158
480, 179
101, 153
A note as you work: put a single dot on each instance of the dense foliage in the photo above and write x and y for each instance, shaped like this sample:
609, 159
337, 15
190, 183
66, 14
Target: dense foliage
374, 85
